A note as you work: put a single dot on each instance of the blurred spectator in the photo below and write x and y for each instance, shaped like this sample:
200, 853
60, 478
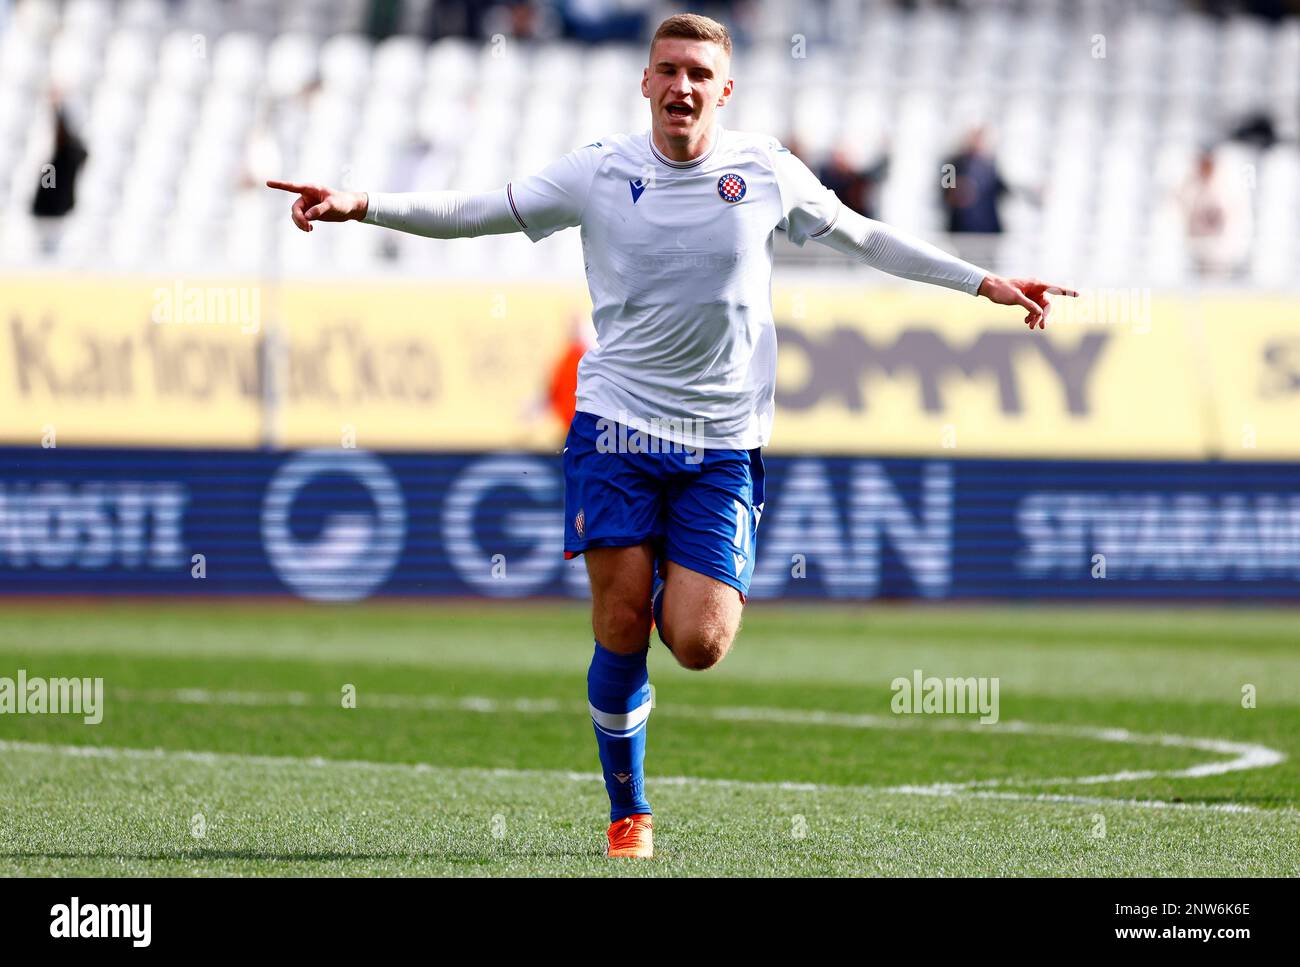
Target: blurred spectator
561, 392
548, 416
854, 186
1217, 213
384, 19
457, 18
520, 19
597, 21
1274, 10
1256, 130
56, 192
972, 195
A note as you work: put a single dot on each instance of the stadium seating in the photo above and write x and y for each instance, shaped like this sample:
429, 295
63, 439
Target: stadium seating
185, 108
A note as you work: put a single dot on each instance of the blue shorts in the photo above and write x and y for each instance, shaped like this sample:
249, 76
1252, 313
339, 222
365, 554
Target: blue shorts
697, 507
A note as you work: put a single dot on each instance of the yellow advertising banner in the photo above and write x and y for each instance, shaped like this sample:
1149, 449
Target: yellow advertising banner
1253, 352
927, 372
233, 363
84, 362
417, 366
420, 365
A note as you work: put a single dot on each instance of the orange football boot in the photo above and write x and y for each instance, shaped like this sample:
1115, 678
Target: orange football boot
631, 837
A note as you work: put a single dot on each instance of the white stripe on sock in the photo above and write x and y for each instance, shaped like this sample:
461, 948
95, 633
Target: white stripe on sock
620, 721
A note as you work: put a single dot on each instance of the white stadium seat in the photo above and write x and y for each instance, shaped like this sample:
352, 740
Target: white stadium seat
345, 65
1101, 108
291, 63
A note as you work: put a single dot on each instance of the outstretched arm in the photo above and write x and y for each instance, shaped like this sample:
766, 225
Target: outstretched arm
538, 205
813, 211
433, 214
898, 253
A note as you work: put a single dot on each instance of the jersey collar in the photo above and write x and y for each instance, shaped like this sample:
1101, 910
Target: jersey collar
713, 146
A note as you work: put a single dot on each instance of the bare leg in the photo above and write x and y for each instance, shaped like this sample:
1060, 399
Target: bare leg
620, 596
701, 616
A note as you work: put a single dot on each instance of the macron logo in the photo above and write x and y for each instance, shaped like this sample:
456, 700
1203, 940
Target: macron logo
638, 188
113, 920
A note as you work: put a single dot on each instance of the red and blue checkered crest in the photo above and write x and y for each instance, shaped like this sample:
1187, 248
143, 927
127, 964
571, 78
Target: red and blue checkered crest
731, 187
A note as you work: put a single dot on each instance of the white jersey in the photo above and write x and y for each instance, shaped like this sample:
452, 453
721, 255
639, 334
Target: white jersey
679, 265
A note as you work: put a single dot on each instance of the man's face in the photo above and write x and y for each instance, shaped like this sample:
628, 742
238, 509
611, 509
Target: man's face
686, 82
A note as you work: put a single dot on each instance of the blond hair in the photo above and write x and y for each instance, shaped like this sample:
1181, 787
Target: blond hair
693, 26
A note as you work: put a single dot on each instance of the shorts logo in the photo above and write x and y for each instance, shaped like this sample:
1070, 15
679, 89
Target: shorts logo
731, 187
580, 523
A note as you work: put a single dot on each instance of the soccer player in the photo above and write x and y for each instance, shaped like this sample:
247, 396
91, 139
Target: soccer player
662, 465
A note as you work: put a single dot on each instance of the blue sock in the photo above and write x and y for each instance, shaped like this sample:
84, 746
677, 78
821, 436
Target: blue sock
657, 607
618, 692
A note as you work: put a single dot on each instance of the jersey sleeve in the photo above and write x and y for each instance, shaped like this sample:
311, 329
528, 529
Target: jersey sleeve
555, 197
809, 207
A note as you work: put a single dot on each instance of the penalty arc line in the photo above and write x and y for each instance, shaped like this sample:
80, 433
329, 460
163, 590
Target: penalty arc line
421, 768
1244, 755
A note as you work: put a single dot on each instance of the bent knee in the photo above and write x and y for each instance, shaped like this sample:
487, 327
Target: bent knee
701, 648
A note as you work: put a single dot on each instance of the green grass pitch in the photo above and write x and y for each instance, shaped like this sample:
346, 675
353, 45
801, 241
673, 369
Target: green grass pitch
1123, 747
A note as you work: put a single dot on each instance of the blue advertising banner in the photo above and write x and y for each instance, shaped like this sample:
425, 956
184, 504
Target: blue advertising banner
341, 525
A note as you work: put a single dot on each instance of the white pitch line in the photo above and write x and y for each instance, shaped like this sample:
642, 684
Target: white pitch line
1228, 807
1244, 755
421, 768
